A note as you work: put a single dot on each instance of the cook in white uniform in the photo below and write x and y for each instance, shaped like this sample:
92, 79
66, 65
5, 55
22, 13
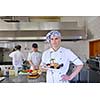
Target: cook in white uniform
61, 56
34, 57
17, 58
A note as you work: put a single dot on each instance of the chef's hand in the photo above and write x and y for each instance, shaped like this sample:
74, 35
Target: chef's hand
43, 67
66, 77
34, 67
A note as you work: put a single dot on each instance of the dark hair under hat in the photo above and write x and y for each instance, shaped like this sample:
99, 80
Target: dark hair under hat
35, 45
18, 47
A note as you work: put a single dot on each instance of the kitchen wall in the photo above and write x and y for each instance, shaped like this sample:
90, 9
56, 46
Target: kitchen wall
93, 30
78, 47
93, 25
26, 47
81, 48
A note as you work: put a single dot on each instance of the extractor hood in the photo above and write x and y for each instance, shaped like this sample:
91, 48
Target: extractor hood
38, 30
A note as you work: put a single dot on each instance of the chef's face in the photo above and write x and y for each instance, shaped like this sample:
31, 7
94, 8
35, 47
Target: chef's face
35, 49
55, 42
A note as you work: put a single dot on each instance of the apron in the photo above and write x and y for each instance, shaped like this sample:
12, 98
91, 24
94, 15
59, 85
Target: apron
54, 76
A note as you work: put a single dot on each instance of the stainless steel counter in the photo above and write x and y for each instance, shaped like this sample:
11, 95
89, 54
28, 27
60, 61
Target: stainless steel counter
24, 79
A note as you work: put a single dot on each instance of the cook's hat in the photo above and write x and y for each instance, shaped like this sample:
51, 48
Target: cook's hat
51, 34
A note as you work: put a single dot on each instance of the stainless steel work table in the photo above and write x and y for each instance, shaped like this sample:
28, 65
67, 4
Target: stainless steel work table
24, 79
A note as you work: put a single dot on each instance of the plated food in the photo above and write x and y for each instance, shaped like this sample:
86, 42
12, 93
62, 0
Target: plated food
55, 65
34, 74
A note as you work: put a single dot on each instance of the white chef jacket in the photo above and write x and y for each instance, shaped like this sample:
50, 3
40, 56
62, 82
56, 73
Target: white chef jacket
17, 58
35, 57
62, 55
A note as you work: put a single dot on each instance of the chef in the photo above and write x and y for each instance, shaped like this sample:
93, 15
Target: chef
61, 56
17, 59
34, 57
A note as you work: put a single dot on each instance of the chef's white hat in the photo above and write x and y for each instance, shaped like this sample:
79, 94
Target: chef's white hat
51, 34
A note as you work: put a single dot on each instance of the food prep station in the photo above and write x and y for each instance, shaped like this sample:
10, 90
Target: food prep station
8, 75
23, 77
89, 74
